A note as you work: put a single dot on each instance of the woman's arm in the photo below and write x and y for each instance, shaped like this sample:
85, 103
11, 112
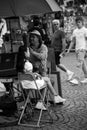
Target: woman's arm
40, 55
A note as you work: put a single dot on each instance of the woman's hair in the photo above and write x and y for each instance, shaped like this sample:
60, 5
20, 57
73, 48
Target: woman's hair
25, 38
38, 36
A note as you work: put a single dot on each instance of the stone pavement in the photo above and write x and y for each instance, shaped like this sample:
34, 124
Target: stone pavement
73, 113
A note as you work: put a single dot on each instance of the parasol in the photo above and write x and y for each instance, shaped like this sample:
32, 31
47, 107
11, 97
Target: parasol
13, 8
10, 8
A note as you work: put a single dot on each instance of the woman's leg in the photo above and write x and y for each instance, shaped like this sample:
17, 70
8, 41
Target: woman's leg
49, 85
57, 98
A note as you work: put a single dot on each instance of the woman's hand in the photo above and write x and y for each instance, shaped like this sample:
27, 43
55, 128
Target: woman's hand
32, 51
38, 76
27, 53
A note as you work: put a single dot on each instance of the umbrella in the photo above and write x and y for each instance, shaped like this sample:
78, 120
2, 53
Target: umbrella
10, 8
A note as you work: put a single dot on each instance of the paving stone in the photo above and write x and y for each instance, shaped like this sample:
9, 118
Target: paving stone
72, 115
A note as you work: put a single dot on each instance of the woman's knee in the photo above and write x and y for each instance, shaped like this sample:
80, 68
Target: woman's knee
46, 79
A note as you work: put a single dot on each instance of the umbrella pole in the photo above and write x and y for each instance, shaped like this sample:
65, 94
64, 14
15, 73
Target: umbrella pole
10, 35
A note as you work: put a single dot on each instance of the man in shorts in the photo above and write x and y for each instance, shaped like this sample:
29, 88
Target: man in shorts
79, 38
59, 45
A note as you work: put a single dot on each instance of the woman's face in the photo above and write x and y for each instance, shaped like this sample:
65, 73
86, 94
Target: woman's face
34, 41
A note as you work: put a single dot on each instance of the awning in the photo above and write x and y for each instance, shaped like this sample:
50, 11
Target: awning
10, 8
54, 5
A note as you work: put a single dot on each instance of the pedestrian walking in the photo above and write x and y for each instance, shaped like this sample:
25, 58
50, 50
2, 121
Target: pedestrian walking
79, 38
59, 45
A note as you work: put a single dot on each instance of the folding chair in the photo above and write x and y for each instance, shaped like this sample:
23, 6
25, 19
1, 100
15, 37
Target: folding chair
38, 120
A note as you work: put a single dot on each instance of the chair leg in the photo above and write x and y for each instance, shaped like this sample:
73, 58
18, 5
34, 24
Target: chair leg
48, 111
38, 120
22, 91
24, 108
38, 123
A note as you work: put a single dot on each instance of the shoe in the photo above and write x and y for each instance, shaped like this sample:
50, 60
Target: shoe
58, 99
40, 105
70, 75
84, 81
74, 81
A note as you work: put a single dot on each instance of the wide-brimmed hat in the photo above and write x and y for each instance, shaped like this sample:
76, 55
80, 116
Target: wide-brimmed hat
36, 32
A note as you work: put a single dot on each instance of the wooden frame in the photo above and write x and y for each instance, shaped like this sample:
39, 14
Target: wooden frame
56, 80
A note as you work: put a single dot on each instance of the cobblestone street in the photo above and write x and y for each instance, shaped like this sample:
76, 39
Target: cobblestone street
73, 113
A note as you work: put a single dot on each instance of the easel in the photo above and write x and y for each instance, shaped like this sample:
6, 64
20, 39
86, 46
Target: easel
10, 26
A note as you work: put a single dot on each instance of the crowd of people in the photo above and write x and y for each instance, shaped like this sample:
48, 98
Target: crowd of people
79, 41
33, 54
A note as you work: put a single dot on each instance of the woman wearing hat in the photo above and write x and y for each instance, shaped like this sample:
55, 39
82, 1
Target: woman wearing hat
37, 55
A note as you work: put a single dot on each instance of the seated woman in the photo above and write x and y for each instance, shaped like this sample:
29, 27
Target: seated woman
36, 52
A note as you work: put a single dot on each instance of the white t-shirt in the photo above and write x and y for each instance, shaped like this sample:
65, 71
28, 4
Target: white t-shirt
80, 37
